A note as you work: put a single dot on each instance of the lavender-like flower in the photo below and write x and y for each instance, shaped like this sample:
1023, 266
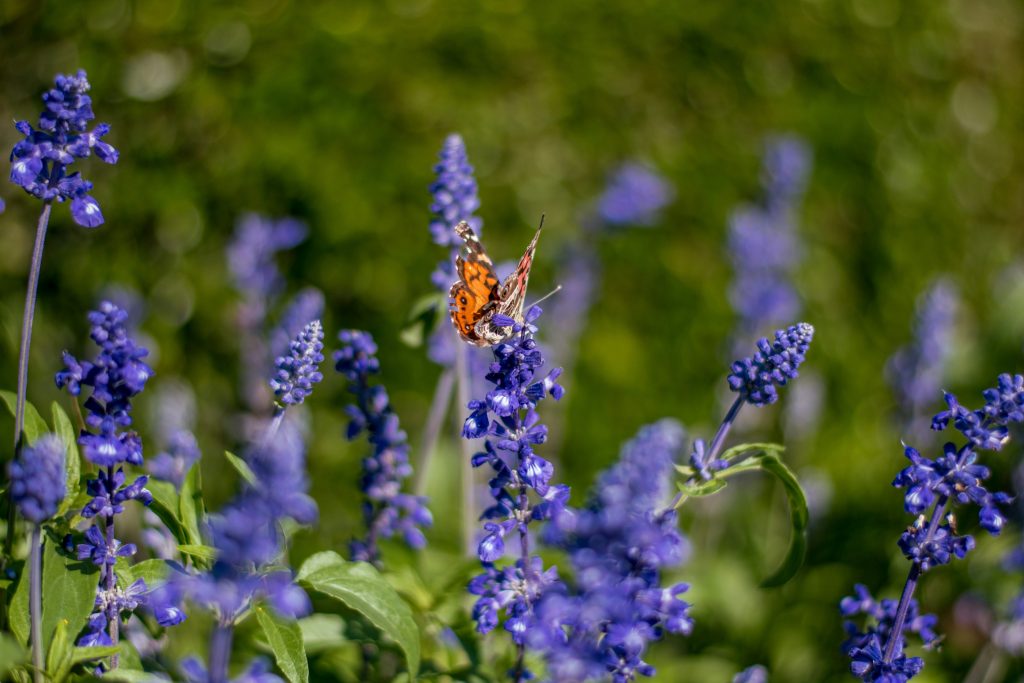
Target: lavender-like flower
635, 195
39, 165
306, 305
916, 371
763, 241
757, 378
251, 260
297, 372
932, 487
40, 162
618, 546
507, 417
455, 200
246, 534
173, 464
387, 510
37, 479
114, 377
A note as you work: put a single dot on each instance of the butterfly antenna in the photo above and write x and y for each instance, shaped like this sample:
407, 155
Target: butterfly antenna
539, 227
547, 296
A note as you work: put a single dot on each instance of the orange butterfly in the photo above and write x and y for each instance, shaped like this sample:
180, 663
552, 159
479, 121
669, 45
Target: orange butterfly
478, 295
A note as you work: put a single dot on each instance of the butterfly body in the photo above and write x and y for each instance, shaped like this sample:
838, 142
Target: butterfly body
478, 295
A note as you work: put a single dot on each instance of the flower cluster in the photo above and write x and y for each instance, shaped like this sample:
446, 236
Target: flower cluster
455, 200
115, 376
932, 486
387, 510
756, 378
299, 370
251, 260
864, 644
763, 240
618, 546
174, 463
306, 305
916, 371
635, 195
753, 674
40, 161
37, 479
247, 537
507, 416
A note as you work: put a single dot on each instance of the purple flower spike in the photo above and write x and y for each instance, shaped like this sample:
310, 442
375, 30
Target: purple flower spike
757, 378
40, 161
387, 510
37, 479
635, 195
298, 371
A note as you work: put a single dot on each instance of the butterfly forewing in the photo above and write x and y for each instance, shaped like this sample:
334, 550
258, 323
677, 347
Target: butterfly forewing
478, 295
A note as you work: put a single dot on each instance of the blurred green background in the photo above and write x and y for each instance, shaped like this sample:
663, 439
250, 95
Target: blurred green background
333, 112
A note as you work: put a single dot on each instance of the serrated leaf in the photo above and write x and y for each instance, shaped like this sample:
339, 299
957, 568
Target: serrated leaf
63, 428
12, 653
69, 591
199, 552
361, 587
242, 467
798, 515
322, 632
35, 425
285, 639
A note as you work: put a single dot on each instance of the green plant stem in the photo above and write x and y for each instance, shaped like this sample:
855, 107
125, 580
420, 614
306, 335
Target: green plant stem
23, 355
35, 600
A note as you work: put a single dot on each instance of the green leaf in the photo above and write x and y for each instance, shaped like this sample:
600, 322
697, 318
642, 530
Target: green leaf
58, 661
12, 653
199, 552
154, 572
285, 639
167, 507
422, 319
322, 632
191, 505
35, 425
88, 654
241, 466
69, 591
744, 448
359, 586
18, 611
72, 463
125, 675
704, 488
798, 515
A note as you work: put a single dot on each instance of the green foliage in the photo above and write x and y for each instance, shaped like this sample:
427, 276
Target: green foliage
285, 638
360, 587
69, 592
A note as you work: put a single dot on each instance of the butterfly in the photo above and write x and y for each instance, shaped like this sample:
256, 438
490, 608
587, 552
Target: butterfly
478, 296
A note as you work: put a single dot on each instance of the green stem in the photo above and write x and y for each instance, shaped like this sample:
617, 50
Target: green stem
35, 600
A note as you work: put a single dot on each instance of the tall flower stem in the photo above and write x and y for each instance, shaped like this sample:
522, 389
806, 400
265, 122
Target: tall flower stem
896, 633
466, 466
438, 410
110, 581
723, 429
23, 353
220, 653
35, 600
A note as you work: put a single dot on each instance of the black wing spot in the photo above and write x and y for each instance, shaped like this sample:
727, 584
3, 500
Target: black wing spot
463, 301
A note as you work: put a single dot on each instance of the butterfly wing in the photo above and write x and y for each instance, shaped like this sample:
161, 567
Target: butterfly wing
474, 296
510, 297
